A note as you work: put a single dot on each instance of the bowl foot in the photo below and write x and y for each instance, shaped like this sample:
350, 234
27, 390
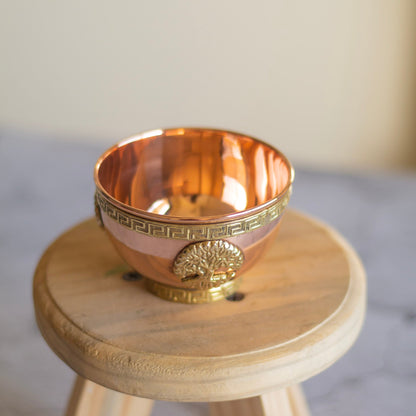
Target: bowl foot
183, 295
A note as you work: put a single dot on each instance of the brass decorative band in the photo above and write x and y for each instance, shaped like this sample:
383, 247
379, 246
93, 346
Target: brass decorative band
97, 210
176, 294
193, 232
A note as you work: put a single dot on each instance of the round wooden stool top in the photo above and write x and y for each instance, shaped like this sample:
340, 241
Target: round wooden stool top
303, 307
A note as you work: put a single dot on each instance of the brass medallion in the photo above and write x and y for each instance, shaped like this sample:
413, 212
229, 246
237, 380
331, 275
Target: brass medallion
208, 264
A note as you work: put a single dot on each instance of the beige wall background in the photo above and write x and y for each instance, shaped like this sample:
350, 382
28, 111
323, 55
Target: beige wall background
332, 83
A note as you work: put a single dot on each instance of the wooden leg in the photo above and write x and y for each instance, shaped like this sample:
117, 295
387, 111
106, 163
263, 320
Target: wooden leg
90, 399
286, 402
298, 401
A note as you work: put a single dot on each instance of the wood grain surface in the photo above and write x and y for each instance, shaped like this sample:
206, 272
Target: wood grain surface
303, 307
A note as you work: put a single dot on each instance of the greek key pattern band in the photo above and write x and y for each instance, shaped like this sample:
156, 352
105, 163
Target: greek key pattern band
192, 232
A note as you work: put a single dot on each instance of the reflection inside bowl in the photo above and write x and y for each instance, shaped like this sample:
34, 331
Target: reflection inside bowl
203, 173
191, 206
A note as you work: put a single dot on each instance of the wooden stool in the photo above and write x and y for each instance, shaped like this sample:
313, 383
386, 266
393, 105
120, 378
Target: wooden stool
297, 311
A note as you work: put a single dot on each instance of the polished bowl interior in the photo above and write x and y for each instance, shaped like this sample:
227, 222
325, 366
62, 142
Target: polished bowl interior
192, 173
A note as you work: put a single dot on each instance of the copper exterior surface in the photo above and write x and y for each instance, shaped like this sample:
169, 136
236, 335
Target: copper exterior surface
160, 190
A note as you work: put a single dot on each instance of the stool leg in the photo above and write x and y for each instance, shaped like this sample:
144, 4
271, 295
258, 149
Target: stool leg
91, 399
298, 401
285, 402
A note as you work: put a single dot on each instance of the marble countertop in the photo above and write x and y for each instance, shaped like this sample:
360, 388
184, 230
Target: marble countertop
47, 186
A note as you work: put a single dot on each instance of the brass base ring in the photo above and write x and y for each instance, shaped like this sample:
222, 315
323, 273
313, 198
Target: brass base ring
181, 295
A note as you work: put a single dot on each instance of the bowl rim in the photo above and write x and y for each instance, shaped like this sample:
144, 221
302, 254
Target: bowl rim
162, 218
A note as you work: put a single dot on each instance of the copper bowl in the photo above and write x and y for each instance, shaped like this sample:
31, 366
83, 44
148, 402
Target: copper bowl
191, 209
